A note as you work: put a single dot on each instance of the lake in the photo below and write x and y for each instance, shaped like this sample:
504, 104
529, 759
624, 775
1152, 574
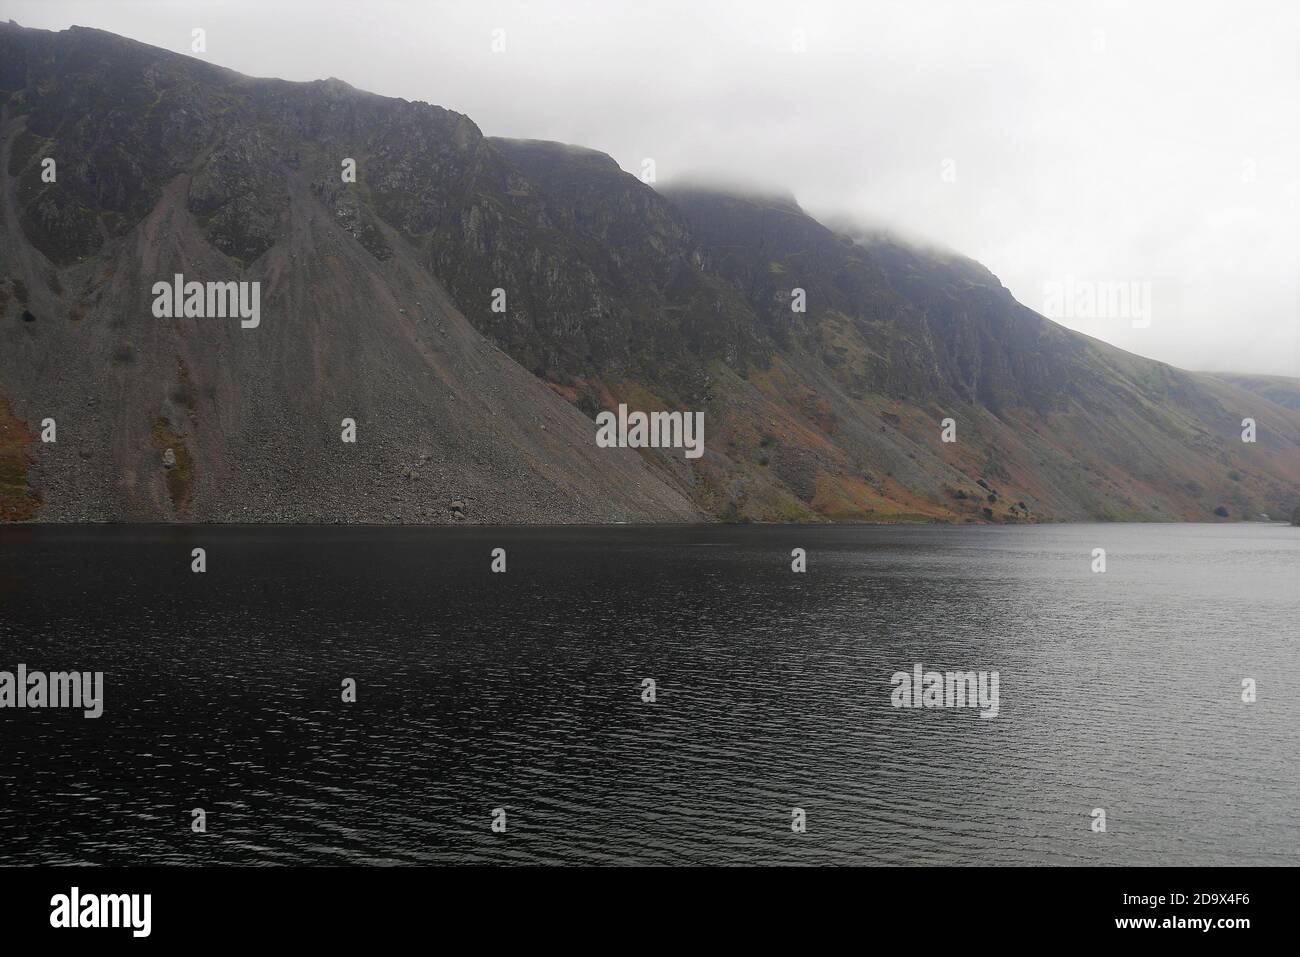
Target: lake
523, 691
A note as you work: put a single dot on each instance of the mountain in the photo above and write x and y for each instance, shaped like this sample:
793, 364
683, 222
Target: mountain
382, 301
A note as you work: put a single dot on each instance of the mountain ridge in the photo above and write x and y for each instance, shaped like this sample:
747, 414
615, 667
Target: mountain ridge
672, 298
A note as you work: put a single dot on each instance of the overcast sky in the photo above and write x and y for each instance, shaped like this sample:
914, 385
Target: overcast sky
1098, 141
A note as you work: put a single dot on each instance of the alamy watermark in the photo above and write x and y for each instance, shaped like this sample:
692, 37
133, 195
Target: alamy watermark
58, 689
1072, 298
75, 909
179, 299
651, 430
946, 689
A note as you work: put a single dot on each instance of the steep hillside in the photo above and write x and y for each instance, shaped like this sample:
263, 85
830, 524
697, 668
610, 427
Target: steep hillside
842, 419
472, 303
167, 165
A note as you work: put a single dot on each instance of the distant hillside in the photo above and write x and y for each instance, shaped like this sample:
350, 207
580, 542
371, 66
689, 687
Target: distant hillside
1282, 390
378, 305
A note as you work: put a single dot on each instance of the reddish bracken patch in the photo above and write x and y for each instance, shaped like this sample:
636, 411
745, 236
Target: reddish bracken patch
18, 503
568, 392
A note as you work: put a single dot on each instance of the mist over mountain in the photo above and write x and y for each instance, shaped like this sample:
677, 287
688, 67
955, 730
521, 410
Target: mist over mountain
825, 361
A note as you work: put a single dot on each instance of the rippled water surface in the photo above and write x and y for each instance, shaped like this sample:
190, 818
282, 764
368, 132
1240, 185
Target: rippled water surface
523, 691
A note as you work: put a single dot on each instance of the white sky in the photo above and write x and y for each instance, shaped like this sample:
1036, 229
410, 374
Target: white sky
1099, 140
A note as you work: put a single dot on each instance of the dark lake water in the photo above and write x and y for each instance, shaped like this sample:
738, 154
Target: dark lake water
523, 691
